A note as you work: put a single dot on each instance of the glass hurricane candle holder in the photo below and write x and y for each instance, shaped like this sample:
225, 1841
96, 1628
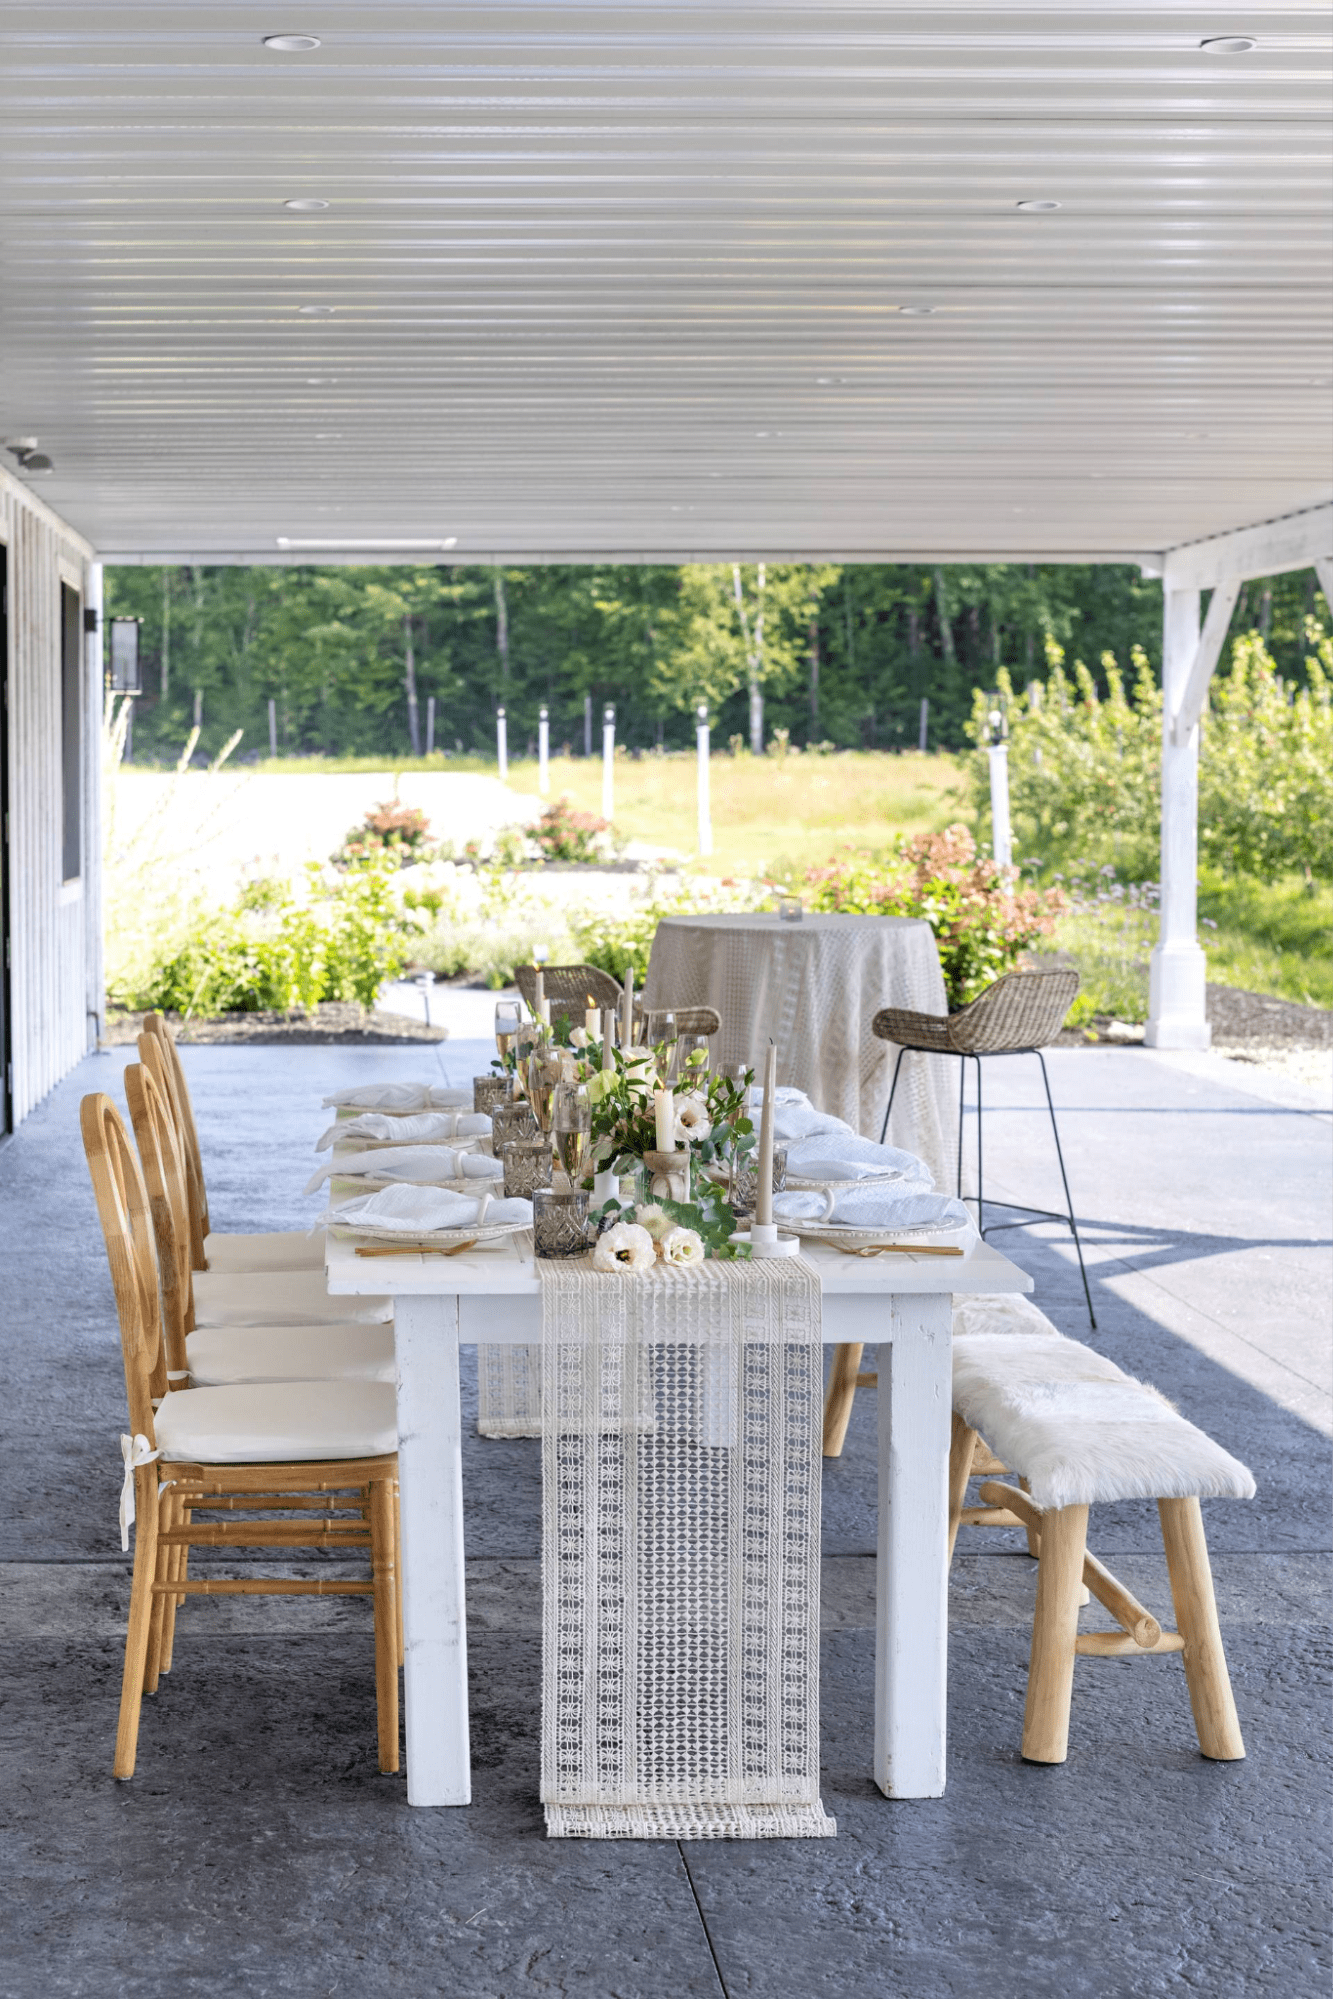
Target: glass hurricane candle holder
744, 1180
527, 1166
560, 1222
789, 908
490, 1092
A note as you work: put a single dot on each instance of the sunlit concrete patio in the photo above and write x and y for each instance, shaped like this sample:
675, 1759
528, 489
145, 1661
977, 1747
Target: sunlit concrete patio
257, 1847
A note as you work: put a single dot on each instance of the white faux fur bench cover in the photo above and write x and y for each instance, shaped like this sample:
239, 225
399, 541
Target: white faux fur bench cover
1079, 1430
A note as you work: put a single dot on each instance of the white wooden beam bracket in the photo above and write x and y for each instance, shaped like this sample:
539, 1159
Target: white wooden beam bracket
1196, 692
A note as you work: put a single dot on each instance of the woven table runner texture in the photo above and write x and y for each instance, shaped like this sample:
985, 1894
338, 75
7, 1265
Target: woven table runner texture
680, 1552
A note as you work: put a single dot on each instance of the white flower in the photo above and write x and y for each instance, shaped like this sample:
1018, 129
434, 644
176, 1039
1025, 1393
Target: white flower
692, 1118
625, 1246
655, 1220
578, 1037
682, 1246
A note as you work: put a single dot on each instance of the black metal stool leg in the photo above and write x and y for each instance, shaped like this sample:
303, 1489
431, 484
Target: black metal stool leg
963, 1071
893, 1086
1069, 1204
977, 1064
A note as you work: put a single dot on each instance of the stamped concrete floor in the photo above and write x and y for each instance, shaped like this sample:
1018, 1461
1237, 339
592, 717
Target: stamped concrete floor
258, 1850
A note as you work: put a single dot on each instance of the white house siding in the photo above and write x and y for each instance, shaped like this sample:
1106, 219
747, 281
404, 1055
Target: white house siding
55, 925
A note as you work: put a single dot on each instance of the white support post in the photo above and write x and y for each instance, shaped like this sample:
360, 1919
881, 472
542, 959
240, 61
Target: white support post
703, 814
1324, 570
1176, 968
94, 981
1195, 697
543, 753
608, 761
502, 747
998, 759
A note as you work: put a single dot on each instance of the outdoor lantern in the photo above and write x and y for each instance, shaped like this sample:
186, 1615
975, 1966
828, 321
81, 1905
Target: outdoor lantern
124, 675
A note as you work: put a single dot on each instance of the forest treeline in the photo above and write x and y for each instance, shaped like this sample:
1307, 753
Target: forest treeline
351, 657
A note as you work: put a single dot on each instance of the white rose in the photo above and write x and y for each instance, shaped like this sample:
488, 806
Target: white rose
692, 1118
624, 1246
655, 1220
683, 1246
578, 1037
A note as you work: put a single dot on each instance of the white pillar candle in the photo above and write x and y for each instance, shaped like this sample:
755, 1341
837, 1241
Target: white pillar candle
764, 1167
608, 1037
664, 1116
592, 1022
628, 1011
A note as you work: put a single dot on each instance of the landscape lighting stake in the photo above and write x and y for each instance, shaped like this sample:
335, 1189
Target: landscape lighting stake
998, 759
273, 727
543, 753
502, 748
705, 823
608, 760
921, 726
430, 725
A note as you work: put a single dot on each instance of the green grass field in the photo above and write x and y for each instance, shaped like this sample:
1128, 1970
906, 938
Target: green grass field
776, 817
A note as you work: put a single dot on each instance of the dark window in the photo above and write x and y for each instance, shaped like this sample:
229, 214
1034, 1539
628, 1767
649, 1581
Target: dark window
71, 736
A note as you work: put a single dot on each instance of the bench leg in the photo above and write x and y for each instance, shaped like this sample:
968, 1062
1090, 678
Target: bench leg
1192, 1580
838, 1402
963, 1443
1051, 1666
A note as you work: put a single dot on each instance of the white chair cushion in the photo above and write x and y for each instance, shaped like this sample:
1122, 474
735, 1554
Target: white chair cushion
1079, 1430
279, 1298
281, 1249
218, 1354
1000, 1312
277, 1423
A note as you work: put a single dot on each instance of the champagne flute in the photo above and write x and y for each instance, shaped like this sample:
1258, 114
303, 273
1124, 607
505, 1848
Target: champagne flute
572, 1128
666, 1044
507, 1026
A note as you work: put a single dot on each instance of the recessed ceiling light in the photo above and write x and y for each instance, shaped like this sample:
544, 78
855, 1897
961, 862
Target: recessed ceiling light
288, 541
320, 381
916, 311
291, 45
316, 311
306, 204
1037, 207
832, 381
1228, 45
327, 436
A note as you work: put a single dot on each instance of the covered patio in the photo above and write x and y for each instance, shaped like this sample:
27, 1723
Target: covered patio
418, 283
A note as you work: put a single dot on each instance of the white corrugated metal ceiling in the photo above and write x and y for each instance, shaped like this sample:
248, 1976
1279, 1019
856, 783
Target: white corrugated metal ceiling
649, 279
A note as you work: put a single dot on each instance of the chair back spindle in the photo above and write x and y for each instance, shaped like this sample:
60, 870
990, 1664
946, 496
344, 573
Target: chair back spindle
164, 1177
127, 1229
172, 1081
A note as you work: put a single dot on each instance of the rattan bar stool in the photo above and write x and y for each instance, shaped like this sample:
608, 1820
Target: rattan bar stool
569, 989
1021, 1014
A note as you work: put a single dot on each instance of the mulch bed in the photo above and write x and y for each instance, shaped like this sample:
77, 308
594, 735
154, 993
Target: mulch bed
332, 1023
1239, 1020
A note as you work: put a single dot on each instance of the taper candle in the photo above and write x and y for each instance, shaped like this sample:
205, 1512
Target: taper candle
764, 1169
664, 1117
628, 1010
608, 1037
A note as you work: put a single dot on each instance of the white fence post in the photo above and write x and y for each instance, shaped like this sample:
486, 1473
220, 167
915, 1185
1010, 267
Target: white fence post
1177, 1017
921, 725
608, 761
702, 779
543, 753
430, 725
502, 746
273, 727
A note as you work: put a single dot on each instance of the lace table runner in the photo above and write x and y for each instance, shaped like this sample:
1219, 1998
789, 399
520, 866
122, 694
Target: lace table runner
680, 1552
509, 1391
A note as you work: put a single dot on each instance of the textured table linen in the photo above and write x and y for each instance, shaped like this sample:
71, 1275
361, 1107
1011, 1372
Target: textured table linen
813, 988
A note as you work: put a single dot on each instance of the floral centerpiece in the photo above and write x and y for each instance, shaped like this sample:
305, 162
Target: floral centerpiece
712, 1126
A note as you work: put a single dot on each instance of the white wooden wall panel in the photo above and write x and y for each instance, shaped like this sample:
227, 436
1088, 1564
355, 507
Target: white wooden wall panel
50, 1025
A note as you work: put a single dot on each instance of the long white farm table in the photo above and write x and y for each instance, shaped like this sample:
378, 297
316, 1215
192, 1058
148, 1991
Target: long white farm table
900, 1304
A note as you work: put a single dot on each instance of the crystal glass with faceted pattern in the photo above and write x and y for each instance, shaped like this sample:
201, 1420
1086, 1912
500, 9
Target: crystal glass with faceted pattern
560, 1222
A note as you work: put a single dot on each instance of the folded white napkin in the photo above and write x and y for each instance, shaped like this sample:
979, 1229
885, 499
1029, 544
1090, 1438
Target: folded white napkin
421, 1128
786, 1093
420, 1210
399, 1097
426, 1164
840, 1156
875, 1208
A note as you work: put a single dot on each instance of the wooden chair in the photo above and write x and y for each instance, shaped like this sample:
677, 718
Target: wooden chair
214, 1355
1021, 1014
322, 1451
274, 1249
1081, 1432
569, 989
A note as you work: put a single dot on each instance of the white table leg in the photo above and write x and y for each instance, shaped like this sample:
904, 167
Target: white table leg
435, 1631
913, 1405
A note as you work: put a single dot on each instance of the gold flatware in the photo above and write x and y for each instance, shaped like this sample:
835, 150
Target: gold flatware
415, 1249
894, 1249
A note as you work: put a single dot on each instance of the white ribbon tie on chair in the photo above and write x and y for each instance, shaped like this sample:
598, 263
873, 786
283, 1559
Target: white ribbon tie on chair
135, 1451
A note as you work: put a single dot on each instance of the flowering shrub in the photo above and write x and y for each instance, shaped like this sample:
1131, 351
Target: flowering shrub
562, 834
981, 917
393, 832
